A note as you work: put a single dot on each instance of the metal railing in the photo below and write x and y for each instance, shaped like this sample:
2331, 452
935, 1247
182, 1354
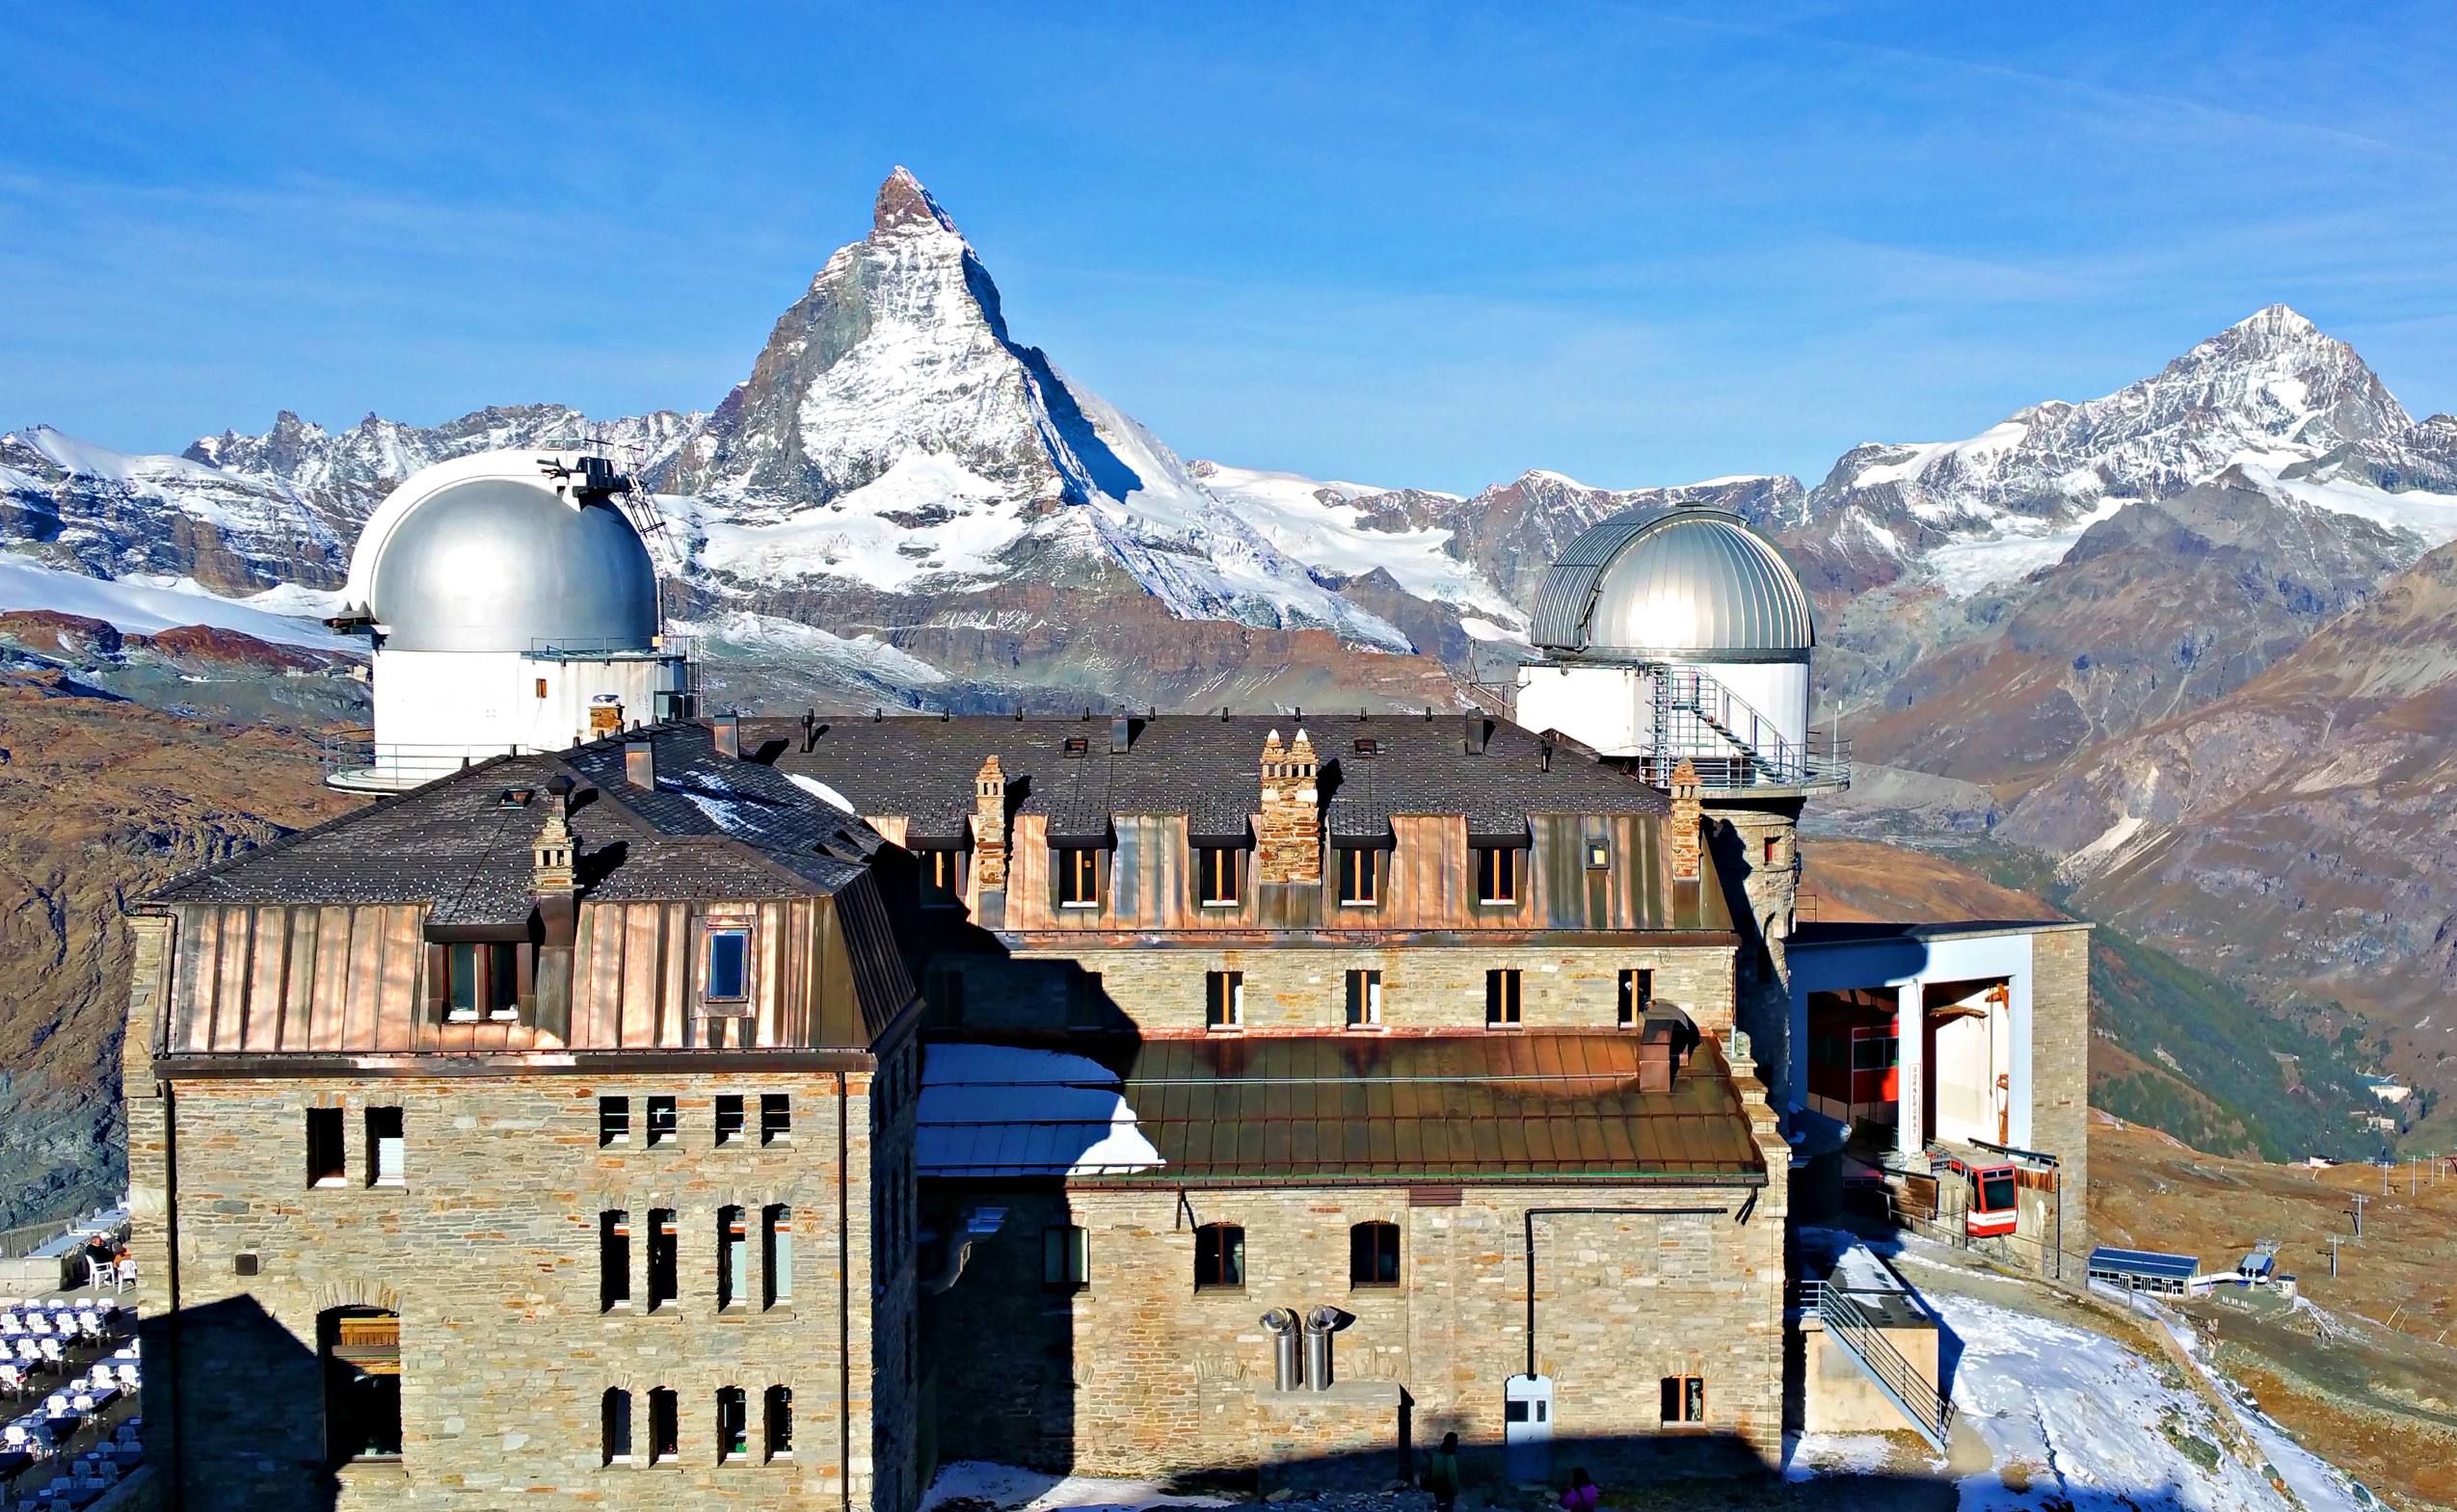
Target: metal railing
1921, 1401
352, 759
1728, 743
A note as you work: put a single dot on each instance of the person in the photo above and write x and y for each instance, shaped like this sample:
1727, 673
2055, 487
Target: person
1441, 1472
123, 1266
1584, 1493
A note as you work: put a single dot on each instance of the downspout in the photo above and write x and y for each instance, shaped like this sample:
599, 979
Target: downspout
843, 1296
171, 1292
1533, 1213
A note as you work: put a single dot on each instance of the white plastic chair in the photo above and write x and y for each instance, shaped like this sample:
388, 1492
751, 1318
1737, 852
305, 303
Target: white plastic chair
54, 1354
125, 1372
30, 1351
13, 1378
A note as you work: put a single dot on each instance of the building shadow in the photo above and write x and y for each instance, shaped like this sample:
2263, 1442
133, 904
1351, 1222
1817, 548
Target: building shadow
234, 1413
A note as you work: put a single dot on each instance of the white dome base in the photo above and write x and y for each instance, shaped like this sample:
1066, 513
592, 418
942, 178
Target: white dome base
435, 710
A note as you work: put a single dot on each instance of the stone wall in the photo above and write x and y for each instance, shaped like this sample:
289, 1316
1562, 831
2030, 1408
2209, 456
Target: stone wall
1142, 1373
2060, 1076
1757, 858
1304, 988
489, 1254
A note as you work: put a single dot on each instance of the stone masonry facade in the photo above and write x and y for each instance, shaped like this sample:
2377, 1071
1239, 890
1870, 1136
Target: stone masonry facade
1303, 988
490, 1253
1140, 1372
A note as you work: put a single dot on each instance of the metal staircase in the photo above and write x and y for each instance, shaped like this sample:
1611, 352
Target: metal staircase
1699, 720
1918, 1398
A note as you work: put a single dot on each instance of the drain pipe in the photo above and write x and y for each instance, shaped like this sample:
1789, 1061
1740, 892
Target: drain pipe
1533, 1213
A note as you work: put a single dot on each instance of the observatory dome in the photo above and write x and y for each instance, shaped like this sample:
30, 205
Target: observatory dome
504, 563
1691, 584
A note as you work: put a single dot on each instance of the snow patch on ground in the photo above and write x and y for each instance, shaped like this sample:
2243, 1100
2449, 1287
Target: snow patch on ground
1035, 1491
2019, 547
821, 790
1334, 536
142, 607
2431, 515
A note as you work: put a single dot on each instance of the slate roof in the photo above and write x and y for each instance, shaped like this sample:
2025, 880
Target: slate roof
1333, 1108
714, 828
1204, 766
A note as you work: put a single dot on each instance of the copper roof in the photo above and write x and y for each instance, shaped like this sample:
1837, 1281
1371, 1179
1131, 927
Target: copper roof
1353, 1108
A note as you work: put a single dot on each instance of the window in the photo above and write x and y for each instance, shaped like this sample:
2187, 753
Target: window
780, 1423
1084, 996
776, 1264
1684, 1398
385, 1152
1599, 856
732, 1255
361, 1350
728, 965
664, 1123
1637, 996
732, 1425
1496, 874
614, 1262
942, 878
1216, 875
1365, 1000
776, 1118
663, 1271
1224, 1000
1079, 877
1065, 1257
1220, 1258
665, 1426
1373, 1255
1875, 1051
729, 1118
1774, 850
614, 1425
540, 687
481, 979
1501, 999
327, 1165
614, 1120
1360, 876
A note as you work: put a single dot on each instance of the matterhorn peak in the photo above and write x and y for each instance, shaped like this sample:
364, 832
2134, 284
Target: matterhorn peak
2277, 320
903, 203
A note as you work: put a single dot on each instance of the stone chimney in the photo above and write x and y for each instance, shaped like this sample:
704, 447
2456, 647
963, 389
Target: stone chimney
1688, 822
556, 883
989, 825
1289, 848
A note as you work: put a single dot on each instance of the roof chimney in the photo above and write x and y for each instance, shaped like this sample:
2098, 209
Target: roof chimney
1288, 845
556, 843
640, 764
1687, 822
1475, 730
727, 728
989, 825
1121, 732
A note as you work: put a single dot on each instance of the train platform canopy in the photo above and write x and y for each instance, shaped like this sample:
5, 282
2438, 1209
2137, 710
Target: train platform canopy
2144, 1267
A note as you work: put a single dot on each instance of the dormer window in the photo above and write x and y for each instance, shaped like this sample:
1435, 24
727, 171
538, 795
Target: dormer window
942, 878
1079, 876
481, 981
1496, 874
1360, 876
1216, 875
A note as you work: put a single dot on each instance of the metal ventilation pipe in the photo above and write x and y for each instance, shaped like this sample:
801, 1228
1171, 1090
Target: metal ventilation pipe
1318, 1326
1286, 1374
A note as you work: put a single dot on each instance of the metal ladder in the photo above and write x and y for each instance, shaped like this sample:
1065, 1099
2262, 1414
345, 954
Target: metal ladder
1918, 1398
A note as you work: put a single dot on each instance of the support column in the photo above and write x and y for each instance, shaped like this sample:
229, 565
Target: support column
1910, 1071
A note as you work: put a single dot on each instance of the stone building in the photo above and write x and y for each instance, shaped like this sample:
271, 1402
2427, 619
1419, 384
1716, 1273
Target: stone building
763, 1112
543, 1135
1420, 1019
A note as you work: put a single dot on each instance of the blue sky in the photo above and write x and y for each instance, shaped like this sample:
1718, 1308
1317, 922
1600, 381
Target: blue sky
1431, 246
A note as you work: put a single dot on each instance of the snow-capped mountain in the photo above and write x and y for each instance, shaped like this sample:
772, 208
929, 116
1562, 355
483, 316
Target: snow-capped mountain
892, 435
2269, 393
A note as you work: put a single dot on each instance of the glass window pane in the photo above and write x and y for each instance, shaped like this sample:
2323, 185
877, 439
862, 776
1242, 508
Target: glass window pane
729, 965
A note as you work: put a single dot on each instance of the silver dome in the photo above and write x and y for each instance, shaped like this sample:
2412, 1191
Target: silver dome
1689, 584
501, 564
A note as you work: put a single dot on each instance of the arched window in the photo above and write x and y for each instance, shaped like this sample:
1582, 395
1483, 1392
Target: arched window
614, 1416
1373, 1255
1220, 1258
780, 1422
362, 1360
